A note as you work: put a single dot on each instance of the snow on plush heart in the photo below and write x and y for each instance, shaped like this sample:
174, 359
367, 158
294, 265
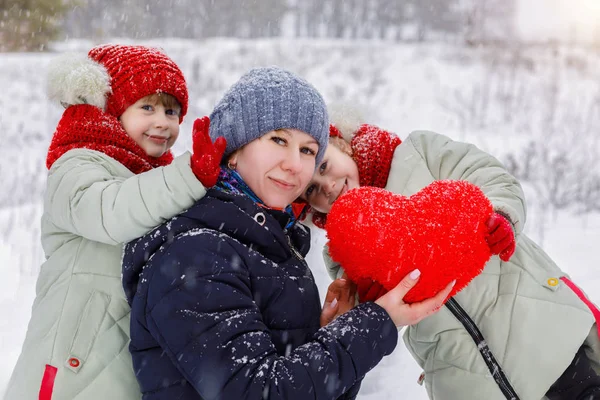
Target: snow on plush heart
383, 236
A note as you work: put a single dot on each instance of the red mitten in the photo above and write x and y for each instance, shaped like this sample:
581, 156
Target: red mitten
500, 237
206, 159
369, 290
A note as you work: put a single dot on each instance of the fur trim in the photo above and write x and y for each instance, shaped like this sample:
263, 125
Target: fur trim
76, 79
346, 118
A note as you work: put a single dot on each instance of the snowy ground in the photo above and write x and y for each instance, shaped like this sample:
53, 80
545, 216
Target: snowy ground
498, 99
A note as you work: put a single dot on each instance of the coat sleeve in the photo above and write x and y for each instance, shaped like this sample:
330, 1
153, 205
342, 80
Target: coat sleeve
334, 270
86, 197
209, 325
448, 159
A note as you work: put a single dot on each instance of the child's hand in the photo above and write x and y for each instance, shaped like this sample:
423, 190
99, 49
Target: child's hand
501, 237
403, 314
206, 159
340, 298
369, 290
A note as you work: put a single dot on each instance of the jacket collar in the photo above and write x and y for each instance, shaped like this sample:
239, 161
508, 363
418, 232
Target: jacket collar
230, 181
238, 216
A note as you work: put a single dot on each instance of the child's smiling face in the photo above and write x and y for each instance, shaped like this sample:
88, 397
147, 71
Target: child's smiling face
153, 125
337, 174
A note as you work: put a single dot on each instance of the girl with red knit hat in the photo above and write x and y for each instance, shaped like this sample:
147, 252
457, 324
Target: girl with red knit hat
111, 179
522, 329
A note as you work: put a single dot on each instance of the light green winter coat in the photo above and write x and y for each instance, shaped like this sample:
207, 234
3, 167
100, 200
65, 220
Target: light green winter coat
80, 317
532, 322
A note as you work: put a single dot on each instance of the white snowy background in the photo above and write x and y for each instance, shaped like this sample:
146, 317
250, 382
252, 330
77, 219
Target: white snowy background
535, 107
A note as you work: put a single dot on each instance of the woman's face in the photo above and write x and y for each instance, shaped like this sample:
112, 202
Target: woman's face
278, 165
336, 174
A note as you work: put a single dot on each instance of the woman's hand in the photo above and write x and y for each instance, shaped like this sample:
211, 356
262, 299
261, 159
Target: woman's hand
340, 297
409, 314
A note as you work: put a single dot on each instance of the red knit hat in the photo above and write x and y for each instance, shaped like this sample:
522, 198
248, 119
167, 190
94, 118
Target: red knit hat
372, 150
113, 77
136, 72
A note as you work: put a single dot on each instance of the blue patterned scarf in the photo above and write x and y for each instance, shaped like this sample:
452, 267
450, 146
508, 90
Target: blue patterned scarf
231, 182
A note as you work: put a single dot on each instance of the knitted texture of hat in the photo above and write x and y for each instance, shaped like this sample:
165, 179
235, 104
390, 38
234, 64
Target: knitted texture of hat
136, 72
267, 99
85, 126
372, 150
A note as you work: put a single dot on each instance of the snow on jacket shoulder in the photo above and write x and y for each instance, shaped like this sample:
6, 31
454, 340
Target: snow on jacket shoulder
226, 308
80, 317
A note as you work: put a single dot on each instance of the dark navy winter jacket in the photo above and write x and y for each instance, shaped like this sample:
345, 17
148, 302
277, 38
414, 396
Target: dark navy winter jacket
223, 306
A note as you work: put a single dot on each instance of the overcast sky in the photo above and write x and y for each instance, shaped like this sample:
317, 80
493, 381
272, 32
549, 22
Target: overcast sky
559, 19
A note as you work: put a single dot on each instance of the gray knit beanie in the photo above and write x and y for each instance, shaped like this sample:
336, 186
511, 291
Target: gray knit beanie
266, 99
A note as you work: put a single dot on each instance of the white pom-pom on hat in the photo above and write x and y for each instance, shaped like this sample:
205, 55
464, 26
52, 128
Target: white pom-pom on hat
346, 118
77, 79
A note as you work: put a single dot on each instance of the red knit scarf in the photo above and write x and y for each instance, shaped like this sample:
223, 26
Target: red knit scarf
87, 127
372, 151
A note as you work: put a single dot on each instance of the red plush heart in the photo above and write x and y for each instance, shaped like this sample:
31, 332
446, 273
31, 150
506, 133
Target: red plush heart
440, 230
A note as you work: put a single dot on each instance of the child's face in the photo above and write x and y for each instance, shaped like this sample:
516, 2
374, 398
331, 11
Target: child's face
151, 125
337, 174
278, 165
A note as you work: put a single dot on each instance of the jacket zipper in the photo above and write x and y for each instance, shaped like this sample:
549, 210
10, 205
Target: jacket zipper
293, 249
493, 365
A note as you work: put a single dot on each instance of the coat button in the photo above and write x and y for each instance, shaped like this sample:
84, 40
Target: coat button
552, 281
260, 218
74, 362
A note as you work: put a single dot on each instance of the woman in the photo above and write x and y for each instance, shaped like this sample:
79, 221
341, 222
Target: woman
223, 303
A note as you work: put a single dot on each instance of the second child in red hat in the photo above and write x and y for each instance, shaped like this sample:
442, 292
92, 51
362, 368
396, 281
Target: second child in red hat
540, 329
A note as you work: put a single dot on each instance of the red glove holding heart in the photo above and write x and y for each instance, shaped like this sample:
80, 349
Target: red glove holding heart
369, 290
501, 237
206, 157
441, 230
